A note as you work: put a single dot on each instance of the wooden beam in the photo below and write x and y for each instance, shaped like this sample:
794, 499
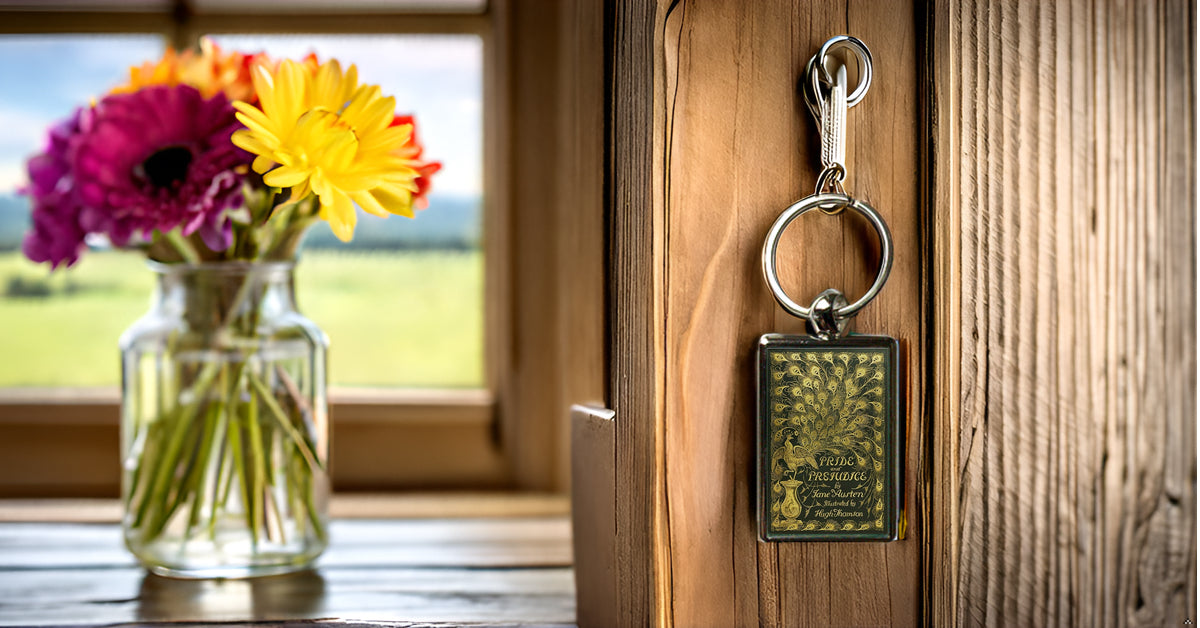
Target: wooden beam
634, 194
710, 141
535, 426
1065, 184
940, 555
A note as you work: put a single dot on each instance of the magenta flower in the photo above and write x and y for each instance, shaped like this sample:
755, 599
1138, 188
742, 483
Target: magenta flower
56, 236
155, 159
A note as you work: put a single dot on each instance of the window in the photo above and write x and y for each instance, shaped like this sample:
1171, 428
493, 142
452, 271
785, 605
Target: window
405, 298
42, 313
420, 281
493, 424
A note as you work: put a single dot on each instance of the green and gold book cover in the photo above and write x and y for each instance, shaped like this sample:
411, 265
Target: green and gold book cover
829, 438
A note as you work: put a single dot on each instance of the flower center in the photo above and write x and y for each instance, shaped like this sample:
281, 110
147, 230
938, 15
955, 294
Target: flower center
167, 166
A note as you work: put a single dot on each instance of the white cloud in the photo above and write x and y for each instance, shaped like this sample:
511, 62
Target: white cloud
11, 177
23, 135
23, 132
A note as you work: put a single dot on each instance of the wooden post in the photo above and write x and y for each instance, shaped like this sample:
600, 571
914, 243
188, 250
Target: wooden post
1036, 163
710, 142
1063, 172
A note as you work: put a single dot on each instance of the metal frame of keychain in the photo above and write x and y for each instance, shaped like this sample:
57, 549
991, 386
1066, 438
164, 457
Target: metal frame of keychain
829, 428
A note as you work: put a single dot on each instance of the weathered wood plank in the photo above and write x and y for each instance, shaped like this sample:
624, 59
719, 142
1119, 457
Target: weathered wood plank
487, 571
740, 147
78, 597
520, 542
1064, 238
633, 195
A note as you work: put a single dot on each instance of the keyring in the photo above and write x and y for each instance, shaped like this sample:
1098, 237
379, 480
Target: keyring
830, 428
815, 72
825, 202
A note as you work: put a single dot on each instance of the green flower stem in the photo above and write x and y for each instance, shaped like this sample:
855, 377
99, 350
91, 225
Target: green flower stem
273, 506
167, 506
298, 441
212, 424
294, 476
223, 474
259, 471
301, 474
293, 390
179, 419
313, 516
238, 298
277, 412
146, 460
239, 470
185, 248
224, 486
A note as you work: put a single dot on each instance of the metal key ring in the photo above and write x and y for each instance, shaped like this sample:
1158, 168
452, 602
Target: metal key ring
816, 73
825, 202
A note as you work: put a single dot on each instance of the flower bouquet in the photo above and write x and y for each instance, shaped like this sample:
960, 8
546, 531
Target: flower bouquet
214, 164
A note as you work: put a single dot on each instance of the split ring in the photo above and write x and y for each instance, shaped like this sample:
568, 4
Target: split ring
816, 74
823, 201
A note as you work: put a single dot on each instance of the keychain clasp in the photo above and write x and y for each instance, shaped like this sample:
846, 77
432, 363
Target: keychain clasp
828, 101
817, 76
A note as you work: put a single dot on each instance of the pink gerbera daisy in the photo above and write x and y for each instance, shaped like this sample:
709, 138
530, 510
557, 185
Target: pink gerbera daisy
156, 159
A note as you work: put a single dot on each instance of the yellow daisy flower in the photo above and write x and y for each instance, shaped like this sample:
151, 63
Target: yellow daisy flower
323, 133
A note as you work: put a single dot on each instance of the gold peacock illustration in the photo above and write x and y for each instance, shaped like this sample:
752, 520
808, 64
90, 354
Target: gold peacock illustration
827, 439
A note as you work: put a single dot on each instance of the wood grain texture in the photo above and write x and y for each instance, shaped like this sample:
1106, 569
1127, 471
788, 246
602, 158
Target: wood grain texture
634, 202
740, 147
508, 571
1065, 218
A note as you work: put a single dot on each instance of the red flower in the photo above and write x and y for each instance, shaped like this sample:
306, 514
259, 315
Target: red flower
412, 151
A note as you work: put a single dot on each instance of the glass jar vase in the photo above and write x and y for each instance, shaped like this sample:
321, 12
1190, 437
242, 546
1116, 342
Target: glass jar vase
224, 431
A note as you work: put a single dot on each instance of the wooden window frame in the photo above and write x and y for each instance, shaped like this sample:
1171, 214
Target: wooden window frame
544, 290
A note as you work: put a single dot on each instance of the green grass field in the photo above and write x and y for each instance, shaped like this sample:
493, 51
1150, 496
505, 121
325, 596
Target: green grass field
412, 319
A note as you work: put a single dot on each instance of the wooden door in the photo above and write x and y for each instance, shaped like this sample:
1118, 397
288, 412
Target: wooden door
1035, 164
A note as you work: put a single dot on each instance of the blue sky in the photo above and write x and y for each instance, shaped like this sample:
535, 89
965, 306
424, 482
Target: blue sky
437, 77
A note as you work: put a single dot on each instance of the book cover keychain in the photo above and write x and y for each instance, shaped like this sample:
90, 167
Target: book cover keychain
829, 425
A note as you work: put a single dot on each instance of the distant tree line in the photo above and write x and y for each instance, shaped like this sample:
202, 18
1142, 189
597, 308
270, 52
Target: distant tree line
449, 223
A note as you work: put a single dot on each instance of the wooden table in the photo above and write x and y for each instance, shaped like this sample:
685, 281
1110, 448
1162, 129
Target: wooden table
487, 570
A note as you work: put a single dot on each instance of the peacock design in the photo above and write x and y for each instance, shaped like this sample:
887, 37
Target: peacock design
827, 414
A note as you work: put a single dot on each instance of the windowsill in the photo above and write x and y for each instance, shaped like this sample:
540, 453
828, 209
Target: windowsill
494, 558
65, 442
436, 505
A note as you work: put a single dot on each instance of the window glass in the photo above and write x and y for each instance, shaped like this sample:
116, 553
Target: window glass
60, 329
402, 303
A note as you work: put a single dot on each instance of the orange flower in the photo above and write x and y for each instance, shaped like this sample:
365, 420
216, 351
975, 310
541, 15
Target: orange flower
211, 71
165, 71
